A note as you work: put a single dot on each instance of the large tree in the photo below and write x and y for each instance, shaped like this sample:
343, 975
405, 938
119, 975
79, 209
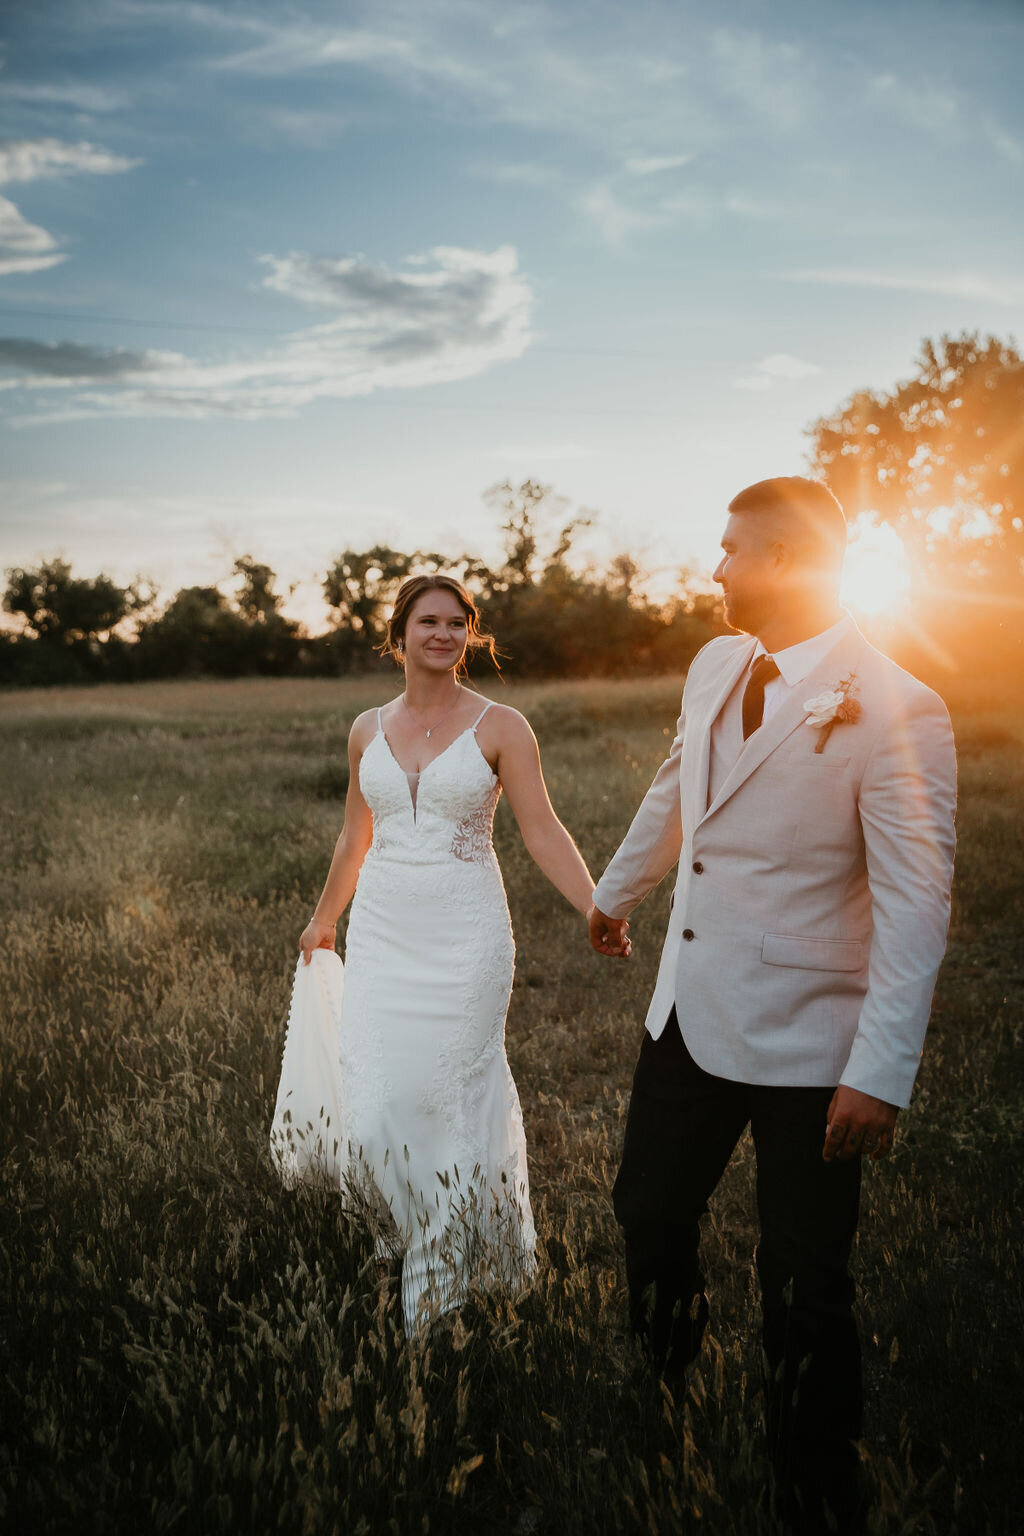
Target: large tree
257, 601
360, 586
201, 631
271, 639
940, 457
198, 632
66, 610
537, 540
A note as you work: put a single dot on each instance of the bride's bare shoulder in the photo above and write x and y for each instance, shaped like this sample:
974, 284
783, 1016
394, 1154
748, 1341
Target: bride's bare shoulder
363, 729
506, 723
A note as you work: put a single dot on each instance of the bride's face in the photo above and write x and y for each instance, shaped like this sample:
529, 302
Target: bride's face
436, 632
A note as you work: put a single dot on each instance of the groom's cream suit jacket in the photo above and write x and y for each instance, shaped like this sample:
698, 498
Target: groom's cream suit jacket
811, 901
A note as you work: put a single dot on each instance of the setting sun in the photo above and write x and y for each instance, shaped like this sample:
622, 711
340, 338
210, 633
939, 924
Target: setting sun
876, 575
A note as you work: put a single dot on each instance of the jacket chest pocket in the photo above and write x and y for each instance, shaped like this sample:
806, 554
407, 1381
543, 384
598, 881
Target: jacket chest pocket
808, 761
813, 780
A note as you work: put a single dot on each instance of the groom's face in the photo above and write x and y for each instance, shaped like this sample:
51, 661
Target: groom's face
749, 572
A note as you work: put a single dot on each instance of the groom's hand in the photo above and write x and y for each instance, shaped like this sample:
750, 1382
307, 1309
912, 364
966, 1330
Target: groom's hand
858, 1123
609, 935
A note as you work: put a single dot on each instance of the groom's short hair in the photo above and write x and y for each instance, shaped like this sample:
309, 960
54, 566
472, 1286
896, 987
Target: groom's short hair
804, 509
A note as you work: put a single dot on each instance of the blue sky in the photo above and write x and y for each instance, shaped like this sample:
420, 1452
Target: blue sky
289, 278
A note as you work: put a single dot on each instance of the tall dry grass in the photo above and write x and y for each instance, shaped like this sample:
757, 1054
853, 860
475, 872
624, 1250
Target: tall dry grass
186, 1346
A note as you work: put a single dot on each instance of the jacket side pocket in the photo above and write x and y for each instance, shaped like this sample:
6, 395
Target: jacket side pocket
807, 954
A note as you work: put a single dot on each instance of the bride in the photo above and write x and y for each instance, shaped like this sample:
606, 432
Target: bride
428, 1109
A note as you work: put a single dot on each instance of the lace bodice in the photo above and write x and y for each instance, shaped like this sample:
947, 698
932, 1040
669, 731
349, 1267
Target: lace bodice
446, 813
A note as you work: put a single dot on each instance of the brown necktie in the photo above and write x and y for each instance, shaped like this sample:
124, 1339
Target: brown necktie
761, 673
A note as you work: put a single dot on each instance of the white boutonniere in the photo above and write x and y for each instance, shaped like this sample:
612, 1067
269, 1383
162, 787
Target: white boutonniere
834, 707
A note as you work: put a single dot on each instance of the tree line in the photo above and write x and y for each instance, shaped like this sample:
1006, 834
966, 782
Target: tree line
940, 458
550, 618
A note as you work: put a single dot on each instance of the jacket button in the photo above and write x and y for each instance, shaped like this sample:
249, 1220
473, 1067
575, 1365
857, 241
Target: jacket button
687, 934
698, 867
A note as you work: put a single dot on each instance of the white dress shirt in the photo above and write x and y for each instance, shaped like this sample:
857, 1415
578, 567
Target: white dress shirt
794, 664
797, 662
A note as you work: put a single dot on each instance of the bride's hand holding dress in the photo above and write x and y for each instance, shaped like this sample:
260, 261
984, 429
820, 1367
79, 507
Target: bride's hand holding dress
349, 851
317, 934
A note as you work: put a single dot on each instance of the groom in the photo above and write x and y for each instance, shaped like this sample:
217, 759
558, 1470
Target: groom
808, 799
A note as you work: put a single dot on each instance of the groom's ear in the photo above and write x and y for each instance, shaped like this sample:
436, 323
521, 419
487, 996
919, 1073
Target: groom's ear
783, 555
773, 540
793, 555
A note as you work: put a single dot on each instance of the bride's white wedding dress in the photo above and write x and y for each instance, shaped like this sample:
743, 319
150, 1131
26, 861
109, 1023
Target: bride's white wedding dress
428, 1117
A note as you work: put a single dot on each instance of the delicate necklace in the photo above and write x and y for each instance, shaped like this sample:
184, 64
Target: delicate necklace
437, 722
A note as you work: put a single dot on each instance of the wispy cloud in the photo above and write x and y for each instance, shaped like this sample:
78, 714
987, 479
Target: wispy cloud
643, 107
656, 165
778, 368
684, 97
959, 285
771, 78
292, 49
924, 103
943, 112
523, 173
306, 126
23, 160
70, 361
26, 247
610, 85
77, 97
396, 44
615, 217
619, 207
590, 74
451, 315
1004, 142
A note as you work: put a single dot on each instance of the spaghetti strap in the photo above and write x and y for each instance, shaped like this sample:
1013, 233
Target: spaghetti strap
380, 722
480, 716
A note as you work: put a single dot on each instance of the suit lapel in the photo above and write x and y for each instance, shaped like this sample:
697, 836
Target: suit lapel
703, 712
791, 714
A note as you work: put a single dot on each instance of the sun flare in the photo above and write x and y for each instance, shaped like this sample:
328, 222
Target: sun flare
876, 575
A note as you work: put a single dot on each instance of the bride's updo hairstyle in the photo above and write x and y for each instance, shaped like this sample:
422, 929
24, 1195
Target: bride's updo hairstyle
476, 638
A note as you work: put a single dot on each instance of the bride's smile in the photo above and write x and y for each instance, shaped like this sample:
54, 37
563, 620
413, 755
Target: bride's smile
435, 633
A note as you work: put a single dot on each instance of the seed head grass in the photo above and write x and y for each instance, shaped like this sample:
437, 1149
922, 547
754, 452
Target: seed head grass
188, 1346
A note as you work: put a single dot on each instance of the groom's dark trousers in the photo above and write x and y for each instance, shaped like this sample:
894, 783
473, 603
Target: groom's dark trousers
681, 1129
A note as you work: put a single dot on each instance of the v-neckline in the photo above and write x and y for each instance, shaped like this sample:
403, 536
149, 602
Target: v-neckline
418, 775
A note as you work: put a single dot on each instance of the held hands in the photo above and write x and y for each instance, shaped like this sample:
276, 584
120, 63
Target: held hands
316, 935
858, 1123
609, 935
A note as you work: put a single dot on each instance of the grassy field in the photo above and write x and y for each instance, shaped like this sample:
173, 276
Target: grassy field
185, 1346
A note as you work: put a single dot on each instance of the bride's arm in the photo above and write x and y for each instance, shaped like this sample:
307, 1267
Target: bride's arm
349, 851
517, 764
